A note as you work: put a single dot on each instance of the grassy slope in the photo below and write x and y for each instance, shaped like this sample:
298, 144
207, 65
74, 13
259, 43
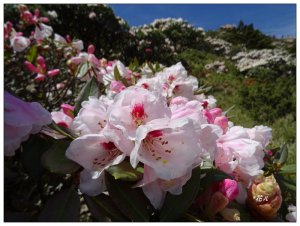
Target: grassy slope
225, 90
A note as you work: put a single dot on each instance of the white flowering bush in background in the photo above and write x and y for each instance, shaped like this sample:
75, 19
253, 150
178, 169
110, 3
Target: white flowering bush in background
111, 141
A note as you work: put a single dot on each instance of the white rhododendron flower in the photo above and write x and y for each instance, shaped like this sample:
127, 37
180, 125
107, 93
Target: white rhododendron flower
19, 43
42, 31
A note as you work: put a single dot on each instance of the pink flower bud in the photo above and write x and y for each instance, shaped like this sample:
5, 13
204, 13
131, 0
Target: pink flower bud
68, 39
117, 86
40, 77
60, 85
68, 110
229, 188
44, 19
37, 12
75, 60
41, 61
53, 72
30, 66
91, 49
27, 17
215, 112
94, 60
222, 121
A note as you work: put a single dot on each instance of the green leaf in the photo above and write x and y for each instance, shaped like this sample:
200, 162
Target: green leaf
289, 185
64, 206
84, 68
90, 89
117, 74
102, 206
131, 201
288, 169
32, 54
33, 149
55, 160
124, 171
175, 205
283, 154
151, 67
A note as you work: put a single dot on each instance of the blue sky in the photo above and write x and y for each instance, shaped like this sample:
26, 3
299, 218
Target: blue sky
272, 19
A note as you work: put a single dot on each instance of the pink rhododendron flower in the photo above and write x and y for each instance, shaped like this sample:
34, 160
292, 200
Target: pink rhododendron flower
19, 43
92, 117
62, 42
94, 153
20, 120
171, 149
239, 155
136, 106
156, 189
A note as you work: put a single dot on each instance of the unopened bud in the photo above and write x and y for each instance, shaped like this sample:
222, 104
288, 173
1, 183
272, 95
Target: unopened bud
264, 197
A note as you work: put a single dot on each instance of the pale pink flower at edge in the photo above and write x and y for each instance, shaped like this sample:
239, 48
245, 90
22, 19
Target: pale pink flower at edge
20, 120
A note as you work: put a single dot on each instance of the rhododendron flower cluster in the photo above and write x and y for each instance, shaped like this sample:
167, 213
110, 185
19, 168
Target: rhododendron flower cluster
158, 122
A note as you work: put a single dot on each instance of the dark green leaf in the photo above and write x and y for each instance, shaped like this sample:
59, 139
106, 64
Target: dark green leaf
131, 201
102, 206
175, 205
33, 149
288, 169
124, 171
151, 67
83, 70
284, 154
289, 185
64, 206
55, 160
31, 54
117, 74
90, 89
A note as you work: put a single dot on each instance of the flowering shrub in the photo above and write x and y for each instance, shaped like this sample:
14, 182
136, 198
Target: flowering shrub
130, 143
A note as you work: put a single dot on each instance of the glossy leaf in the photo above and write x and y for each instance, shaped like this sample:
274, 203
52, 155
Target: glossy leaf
175, 205
64, 206
32, 54
283, 154
102, 206
124, 171
117, 74
131, 201
55, 160
90, 89
84, 68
